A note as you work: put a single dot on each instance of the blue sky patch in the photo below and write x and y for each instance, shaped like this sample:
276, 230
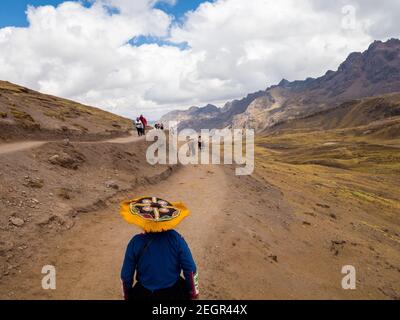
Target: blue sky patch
13, 12
142, 40
180, 8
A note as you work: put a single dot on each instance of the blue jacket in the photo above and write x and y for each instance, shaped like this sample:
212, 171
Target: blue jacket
161, 264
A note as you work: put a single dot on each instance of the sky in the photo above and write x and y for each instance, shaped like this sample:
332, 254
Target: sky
153, 56
12, 12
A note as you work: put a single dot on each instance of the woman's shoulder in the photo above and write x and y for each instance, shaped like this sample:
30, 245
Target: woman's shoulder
174, 234
138, 238
177, 237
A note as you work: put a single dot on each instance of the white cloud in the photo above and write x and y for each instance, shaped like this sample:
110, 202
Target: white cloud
235, 47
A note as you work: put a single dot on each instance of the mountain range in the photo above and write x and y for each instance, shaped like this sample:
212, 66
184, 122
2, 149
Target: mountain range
373, 72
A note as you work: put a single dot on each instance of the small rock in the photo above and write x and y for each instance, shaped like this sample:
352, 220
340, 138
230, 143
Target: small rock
337, 246
65, 193
17, 221
34, 183
66, 142
112, 185
273, 257
54, 159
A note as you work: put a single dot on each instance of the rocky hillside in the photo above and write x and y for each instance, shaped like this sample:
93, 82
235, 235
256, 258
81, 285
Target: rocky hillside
376, 118
210, 117
194, 115
27, 113
373, 72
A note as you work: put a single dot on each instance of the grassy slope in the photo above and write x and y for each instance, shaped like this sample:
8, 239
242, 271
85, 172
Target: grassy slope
361, 136
339, 172
348, 157
27, 112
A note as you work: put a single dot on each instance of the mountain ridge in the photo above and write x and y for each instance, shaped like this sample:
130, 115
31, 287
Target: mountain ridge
375, 71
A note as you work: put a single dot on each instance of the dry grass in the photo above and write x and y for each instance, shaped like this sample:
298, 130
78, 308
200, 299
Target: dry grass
355, 169
24, 118
54, 114
80, 127
333, 148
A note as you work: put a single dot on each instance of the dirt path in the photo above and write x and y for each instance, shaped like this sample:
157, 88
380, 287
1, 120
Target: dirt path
26, 145
88, 257
132, 138
20, 146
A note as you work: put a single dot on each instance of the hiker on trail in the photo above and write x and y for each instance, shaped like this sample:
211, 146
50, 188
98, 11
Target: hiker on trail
159, 255
200, 143
162, 126
139, 127
144, 121
191, 146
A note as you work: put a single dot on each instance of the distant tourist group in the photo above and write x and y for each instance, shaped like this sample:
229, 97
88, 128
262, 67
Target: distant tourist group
159, 126
141, 125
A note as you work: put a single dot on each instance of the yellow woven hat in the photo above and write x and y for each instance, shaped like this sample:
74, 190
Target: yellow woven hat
153, 214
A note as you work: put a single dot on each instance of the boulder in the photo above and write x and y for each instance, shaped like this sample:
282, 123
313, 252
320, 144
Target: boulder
66, 161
